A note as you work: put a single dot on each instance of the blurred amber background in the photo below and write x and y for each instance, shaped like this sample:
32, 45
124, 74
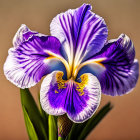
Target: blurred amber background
121, 16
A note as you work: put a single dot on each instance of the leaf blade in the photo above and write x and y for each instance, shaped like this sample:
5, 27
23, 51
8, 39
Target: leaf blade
30, 128
28, 102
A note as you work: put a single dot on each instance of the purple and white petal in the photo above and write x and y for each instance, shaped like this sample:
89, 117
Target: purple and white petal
47, 43
115, 66
31, 57
82, 32
22, 35
78, 100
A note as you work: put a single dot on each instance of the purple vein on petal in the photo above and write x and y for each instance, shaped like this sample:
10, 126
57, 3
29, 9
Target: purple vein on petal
117, 71
78, 99
82, 32
31, 57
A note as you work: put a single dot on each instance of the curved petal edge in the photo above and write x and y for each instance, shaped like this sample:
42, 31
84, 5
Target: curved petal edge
115, 66
79, 100
81, 32
33, 55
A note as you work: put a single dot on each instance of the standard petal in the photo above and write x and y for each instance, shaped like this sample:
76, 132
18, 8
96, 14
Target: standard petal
82, 32
115, 66
33, 56
78, 99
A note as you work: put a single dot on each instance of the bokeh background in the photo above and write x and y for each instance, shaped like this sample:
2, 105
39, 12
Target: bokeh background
121, 16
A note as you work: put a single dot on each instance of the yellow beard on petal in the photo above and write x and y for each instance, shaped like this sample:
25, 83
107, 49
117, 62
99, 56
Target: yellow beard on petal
80, 86
60, 81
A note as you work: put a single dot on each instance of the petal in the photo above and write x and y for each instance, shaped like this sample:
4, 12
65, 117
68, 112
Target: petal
115, 66
78, 100
22, 35
36, 41
31, 58
82, 32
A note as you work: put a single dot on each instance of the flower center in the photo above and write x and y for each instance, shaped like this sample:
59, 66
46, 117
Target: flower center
79, 86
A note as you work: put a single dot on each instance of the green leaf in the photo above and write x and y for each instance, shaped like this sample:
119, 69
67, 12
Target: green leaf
43, 114
80, 131
30, 128
60, 138
75, 131
92, 122
29, 104
52, 127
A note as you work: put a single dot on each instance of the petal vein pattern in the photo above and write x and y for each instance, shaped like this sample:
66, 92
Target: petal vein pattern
32, 56
114, 66
81, 32
78, 99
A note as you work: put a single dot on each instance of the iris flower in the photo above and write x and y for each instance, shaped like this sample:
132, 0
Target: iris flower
78, 61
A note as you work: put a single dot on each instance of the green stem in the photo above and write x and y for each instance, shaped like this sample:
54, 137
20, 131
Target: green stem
52, 128
60, 138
